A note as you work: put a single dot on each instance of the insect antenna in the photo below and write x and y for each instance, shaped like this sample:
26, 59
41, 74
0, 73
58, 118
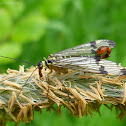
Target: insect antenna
18, 60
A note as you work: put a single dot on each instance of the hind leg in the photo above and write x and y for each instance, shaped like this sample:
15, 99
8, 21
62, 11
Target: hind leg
51, 70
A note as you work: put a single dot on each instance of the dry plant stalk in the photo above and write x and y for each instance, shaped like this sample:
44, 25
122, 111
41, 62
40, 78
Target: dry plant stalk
81, 93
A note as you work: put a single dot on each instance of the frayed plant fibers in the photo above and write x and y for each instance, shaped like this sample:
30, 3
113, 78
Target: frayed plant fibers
81, 93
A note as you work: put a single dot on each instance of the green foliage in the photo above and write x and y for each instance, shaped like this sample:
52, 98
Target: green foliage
30, 30
14, 51
5, 24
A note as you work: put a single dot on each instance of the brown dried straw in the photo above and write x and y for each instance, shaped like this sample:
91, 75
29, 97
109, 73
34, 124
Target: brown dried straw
81, 93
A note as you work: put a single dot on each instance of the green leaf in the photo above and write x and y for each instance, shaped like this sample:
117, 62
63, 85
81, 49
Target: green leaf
13, 7
11, 50
5, 24
29, 29
53, 8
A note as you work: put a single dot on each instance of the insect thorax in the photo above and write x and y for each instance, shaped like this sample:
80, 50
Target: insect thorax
52, 58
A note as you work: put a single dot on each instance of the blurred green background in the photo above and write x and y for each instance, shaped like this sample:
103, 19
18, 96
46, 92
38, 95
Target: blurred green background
31, 30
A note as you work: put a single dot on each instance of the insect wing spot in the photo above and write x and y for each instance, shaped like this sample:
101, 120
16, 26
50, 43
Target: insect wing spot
112, 44
93, 44
106, 42
102, 70
123, 71
93, 51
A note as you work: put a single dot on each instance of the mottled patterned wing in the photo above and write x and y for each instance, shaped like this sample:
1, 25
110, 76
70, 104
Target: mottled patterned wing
87, 48
91, 64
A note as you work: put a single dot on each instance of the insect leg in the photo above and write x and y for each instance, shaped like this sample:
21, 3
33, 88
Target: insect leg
40, 68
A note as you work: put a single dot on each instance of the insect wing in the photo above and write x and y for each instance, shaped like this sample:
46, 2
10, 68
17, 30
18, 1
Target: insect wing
87, 48
91, 64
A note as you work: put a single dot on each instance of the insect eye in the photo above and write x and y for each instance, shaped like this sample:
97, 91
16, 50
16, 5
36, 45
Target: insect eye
40, 64
50, 61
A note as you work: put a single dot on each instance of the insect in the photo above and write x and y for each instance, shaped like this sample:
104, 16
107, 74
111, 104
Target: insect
88, 57
73, 58
97, 50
